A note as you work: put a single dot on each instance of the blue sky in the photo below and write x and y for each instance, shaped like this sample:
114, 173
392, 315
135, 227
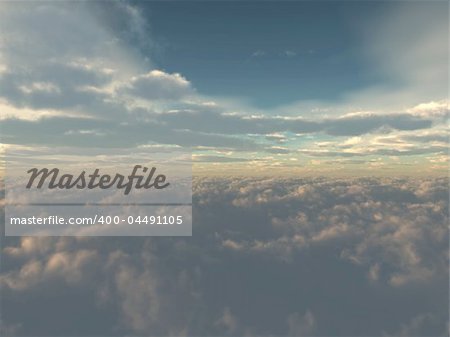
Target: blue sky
270, 53
273, 53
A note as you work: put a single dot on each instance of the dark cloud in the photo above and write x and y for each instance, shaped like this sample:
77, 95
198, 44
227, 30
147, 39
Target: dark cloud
277, 150
221, 159
278, 138
358, 125
66, 131
206, 121
441, 137
382, 152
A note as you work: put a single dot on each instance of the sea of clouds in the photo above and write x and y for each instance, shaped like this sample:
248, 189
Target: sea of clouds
268, 256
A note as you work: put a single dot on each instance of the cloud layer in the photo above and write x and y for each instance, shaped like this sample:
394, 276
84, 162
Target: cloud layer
297, 257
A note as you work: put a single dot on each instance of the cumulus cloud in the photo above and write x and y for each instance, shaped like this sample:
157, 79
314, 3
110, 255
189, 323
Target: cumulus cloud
396, 213
157, 85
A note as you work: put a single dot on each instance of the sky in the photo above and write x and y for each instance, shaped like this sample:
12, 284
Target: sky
304, 87
319, 140
270, 54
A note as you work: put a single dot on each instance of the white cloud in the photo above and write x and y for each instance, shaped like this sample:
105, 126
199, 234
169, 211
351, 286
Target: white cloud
156, 85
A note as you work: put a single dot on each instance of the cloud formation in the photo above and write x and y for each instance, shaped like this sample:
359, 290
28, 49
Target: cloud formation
297, 257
